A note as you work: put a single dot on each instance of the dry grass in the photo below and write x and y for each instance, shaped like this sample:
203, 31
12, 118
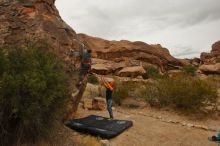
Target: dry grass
184, 93
87, 141
67, 137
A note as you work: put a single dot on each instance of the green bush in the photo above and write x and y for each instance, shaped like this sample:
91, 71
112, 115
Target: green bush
189, 69
182, 92
33, 93
145, 76
93, 79
151, 72
122, 90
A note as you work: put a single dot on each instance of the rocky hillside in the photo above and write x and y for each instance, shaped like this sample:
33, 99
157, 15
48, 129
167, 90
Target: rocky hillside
112, 56
211, 61
32, 23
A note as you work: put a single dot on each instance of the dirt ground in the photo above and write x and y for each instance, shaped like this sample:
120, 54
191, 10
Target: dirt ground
148, 131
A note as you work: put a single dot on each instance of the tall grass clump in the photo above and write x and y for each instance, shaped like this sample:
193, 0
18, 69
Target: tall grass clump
189, 69
151, 72
33, 92
93, 79
189, 94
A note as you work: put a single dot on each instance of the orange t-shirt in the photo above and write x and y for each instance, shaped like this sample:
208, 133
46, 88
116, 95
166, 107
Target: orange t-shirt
108, 84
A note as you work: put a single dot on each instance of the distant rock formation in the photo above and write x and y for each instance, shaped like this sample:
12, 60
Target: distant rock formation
116, 55
25, 23
212, 57
211, 61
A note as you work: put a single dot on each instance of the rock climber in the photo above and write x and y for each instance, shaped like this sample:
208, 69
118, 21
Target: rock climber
109, 84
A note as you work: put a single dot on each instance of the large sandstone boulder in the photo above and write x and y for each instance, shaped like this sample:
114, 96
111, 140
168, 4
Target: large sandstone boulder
210, 69
206, 57
25, 23
105, 67
212, 57
101, 69
97, 103
124, 51
216, 49
132, 71
185, 62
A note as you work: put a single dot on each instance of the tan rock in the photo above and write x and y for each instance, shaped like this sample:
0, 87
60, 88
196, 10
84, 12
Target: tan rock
99, 103
105, 142
212, 57
184, 62
104, 67
196, 61
189, 125
216, 49
133, 102
206, 57
210, 69
88, 104
204, 127
139, 77
101, 69
132, 71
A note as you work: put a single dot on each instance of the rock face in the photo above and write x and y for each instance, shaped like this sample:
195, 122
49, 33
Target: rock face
97, 103
132, 71
211, 61
210, 69
26, 23
216, 49
212, 57
126, 53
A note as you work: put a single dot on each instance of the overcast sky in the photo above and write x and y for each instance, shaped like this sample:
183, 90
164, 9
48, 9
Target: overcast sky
185, 27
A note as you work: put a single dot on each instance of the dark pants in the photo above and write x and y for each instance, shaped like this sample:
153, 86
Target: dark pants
109, 102
84, 70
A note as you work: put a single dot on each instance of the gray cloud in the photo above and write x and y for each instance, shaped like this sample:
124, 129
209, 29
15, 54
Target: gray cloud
172, 23
186, 51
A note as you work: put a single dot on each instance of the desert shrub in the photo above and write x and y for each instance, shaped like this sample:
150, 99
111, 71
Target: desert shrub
149, 92
93, 79
151, 72
33, 93
182, 92
145, 76
122, 90
189, 69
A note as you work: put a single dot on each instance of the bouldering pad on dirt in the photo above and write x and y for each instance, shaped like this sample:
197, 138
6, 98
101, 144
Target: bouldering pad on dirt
99, 126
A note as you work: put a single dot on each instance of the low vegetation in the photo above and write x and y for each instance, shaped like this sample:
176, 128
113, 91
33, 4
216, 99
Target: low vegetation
33, 93
182, 92
93, 79
151, 72
122, 90
189, 69
185, 93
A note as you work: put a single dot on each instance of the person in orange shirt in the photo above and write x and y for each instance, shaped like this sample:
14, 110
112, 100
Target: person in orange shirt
108, 83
